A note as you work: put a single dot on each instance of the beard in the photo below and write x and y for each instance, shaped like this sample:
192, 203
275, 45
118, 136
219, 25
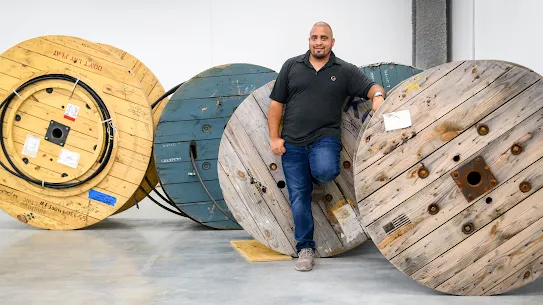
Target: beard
321, 55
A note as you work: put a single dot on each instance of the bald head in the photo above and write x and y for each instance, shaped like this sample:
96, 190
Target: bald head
321, 41
322, 24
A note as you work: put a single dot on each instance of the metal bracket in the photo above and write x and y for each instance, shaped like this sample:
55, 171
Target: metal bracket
474, 178
57, 133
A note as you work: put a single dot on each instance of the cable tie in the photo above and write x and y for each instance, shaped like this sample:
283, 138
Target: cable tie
17, 94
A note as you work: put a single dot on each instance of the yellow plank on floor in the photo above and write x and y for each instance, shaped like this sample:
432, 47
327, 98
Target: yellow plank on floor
254, 251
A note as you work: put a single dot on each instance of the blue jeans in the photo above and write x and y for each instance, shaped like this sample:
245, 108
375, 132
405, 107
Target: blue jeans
303, 165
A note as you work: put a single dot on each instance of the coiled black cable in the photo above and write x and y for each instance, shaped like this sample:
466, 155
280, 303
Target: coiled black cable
105, 117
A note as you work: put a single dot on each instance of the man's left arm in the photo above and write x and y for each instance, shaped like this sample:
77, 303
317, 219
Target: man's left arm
362, 86
376, 101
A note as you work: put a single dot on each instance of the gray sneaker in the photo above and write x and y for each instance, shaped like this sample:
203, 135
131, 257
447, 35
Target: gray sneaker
306, 260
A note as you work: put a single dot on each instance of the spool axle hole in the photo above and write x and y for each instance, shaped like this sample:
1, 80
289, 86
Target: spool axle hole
474, 178
57, 133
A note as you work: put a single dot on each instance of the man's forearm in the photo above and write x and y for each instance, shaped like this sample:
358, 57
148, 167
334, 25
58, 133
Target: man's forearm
376, 101
275, 113
374, 89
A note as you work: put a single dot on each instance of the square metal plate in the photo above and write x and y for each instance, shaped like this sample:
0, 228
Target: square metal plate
474, 178
57, 133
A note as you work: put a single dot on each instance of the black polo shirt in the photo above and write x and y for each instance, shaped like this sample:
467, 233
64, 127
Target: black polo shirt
313, 100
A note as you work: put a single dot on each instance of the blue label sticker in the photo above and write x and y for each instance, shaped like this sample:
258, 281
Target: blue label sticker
104, 198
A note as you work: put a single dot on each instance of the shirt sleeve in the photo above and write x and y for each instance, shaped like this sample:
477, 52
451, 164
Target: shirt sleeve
359, 84
280, 89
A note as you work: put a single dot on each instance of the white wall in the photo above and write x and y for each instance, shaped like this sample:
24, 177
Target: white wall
499, 29
178, 39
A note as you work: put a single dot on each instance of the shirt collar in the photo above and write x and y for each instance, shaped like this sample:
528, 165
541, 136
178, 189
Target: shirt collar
305, 59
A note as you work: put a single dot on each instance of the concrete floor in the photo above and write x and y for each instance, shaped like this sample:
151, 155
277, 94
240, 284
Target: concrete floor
175, 261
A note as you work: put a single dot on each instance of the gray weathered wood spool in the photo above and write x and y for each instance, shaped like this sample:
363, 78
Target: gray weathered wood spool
455, 200
253, 183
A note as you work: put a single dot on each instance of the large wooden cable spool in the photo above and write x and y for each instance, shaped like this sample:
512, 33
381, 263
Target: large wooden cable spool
55, 131
253, 182
153, 90
194, 120
454, 201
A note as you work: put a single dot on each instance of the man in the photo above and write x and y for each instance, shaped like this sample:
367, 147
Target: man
311, 89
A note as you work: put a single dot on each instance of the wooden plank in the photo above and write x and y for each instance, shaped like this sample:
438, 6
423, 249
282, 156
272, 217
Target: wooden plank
192, 192
427, 108
254, 251
402, 162
523, 277
233, 69
222, 86
203, 108
245, 218
441, 163
419, 223
487, 270
276, 234
493, 154
182, 172
189, 130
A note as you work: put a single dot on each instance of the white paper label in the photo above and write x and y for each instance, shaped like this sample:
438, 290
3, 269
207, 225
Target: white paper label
71, 112
32, 144
68, 158
348, 222
397, 120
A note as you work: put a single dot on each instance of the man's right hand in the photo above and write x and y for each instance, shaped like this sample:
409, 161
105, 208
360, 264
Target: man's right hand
277, 146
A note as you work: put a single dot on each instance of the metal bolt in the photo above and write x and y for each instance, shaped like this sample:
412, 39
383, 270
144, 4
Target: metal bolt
483, 130
516, 149
17, 118
493, 182
346, 164
433, 209
61, 144
273, 166
328, 198
525, 187
467, 228
263, 189
206, 165
206, 128
49, 90
470, 197
47, 138
456, 174
423, 172
527, 274
478, 160
25, 160
64, 175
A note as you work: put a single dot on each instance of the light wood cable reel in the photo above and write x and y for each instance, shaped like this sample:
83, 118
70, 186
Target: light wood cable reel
453, 199
77, 131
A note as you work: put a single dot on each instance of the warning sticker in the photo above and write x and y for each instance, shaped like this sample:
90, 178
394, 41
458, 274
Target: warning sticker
32, 144
68, 158
71, 112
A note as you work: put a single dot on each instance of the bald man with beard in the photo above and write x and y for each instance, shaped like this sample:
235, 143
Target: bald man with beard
308, 95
